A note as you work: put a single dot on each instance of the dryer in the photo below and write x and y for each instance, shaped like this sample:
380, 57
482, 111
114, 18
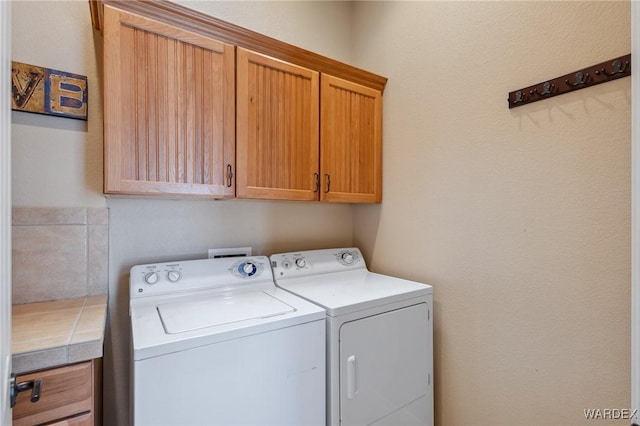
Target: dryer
379, 336
215, 342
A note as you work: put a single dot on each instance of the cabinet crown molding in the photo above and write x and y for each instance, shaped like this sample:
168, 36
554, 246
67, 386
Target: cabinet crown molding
197, 22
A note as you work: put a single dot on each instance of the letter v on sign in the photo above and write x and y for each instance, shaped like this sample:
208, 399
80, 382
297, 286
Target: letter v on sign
23, 84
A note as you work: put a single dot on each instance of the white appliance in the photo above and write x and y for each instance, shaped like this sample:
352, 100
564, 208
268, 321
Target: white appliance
379, 337
214, 342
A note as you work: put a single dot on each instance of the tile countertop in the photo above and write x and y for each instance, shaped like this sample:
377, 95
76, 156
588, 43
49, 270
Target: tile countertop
50, 334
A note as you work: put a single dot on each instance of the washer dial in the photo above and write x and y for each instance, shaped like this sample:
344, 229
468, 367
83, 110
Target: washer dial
151, 278
174, 276
347, 257
247, 269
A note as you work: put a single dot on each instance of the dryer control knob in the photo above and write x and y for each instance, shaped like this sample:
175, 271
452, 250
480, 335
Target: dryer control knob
301, 262
248, 269
347, 257
151, 278
174, 276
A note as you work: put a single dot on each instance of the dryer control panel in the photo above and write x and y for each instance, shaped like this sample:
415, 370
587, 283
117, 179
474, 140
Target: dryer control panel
312, 262
173, 277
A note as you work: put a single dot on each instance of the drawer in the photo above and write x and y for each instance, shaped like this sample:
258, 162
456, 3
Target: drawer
83, 420
65, 392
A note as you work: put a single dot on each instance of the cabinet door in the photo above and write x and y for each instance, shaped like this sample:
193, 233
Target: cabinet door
169, 109
65, 391
350, 142
277, 129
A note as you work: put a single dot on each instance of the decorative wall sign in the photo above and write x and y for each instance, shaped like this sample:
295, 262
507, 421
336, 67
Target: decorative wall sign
46, 91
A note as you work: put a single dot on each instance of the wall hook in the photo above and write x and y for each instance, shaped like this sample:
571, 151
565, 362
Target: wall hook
547, 89
520, 95
580, 79
617, 66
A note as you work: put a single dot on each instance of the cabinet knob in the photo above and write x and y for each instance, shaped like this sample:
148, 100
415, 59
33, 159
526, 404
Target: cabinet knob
328, 183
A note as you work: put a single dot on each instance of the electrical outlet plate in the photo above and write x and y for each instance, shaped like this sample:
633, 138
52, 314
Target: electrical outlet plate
216, 253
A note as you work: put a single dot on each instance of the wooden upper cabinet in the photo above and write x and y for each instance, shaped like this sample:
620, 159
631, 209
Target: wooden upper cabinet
179, 103
350, 142
169, 109
277, 129
287, 150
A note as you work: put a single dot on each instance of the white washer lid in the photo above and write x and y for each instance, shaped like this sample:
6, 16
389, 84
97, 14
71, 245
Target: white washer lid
150, 339
342, 293
213, 310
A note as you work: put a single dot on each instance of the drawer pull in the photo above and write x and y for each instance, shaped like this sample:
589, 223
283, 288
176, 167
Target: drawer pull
16, 388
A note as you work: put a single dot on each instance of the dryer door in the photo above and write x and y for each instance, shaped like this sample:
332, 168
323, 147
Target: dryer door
385, 366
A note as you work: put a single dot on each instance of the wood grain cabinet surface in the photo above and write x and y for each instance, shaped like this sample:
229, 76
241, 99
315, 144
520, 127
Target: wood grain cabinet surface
303, 135
69, 395
169, 109
200, 107
277, 129
350, 142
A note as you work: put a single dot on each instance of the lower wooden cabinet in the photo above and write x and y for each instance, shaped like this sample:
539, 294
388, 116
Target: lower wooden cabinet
69, 395
81, 420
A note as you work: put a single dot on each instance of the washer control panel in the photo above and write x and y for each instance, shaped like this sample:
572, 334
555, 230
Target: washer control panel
299, 264
347, 258
154, 274
247, 268
170, 277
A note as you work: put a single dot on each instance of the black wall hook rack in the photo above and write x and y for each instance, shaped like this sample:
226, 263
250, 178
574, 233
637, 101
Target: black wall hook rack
591, 76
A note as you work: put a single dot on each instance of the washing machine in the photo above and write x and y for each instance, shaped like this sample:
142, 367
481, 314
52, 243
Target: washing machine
215, 342
379, 336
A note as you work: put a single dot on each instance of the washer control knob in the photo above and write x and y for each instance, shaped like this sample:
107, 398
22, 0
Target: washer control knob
247, 269
151, 278
301, 262
174, 276
347, 257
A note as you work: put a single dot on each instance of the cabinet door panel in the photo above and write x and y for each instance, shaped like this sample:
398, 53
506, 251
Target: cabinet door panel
169, 110
277, 129
65, 392
350, 142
